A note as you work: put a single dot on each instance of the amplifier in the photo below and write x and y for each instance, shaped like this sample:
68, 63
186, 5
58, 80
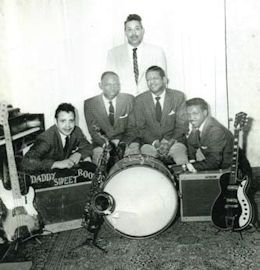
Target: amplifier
198, 192
61, 195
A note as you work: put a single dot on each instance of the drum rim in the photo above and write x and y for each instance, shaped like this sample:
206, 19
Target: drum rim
168, 175
149, 235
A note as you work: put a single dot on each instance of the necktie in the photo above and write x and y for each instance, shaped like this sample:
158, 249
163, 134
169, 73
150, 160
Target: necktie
111, 113
136, 71
195, 137
67, 143
158, 109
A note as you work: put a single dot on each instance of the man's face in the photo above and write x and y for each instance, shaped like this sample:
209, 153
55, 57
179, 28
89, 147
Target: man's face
134, 33
110, 86
65, 122
196, 115
155, 82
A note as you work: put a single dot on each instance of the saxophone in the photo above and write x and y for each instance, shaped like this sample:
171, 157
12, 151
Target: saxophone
101, 203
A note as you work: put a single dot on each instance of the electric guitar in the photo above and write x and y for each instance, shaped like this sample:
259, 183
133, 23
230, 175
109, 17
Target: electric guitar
21, 218
232, 209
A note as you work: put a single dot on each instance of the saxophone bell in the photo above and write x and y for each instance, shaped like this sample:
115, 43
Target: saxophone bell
103, 203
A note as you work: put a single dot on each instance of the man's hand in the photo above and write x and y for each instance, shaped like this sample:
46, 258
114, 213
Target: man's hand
63, 164
164, 148
156, 144
190, 168
75, 157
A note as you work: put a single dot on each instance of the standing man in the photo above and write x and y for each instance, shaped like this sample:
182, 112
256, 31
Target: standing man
131, 60
160, 118
61, 146
210, 144
111, 112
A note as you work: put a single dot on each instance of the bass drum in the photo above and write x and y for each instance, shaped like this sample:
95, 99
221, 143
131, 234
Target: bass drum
145, 198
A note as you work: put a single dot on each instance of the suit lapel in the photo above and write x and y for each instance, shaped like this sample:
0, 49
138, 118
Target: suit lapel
119, 107
166, 106
207, 125
150, 105
60, 146
101, 110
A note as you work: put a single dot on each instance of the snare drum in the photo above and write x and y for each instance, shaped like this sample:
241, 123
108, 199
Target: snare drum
144, 194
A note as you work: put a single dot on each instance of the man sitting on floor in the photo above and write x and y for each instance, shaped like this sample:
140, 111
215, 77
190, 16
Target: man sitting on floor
61, 146
209, 143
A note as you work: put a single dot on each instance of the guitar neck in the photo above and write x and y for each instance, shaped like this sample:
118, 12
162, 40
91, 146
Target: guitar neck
234, 164
11, 162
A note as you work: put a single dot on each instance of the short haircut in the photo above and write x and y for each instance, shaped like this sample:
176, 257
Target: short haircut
65, 107
133, 17
198, 102
156, 68
108, 73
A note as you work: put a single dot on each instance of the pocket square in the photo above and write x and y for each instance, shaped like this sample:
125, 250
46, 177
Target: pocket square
204, 147
171, 112
123, 116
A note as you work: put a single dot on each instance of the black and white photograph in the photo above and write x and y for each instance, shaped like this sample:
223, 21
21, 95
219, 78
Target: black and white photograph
128, 134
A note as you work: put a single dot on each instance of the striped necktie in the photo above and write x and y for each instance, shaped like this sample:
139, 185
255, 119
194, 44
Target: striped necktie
136, 71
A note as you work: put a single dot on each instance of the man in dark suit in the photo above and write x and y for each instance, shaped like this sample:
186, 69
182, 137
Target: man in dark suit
111, 112
61, 146
210, 144
160, 118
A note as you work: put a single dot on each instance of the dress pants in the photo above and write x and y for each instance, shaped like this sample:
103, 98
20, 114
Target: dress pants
178, 152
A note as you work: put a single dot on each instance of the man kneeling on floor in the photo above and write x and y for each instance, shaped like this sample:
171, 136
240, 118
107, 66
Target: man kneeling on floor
209, 143
62, 146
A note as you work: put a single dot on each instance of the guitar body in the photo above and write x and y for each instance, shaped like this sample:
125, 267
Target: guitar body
21, 218
232, 208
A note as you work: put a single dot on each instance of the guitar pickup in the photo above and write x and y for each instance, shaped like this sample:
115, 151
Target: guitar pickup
231, 200
231, 206
232, 187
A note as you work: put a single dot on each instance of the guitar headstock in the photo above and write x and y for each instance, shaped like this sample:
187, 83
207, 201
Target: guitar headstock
3, 112
241, 120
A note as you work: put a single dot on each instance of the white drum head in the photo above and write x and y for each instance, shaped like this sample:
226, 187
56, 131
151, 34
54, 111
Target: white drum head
145, 201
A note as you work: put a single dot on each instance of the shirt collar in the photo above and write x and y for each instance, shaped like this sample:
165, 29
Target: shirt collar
139, 48
63, 138
162, 97
106, 101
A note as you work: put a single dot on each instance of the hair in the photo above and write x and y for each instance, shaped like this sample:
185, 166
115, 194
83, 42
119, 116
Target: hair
133, 17
198, 102
65, 107
156, 68
108, 73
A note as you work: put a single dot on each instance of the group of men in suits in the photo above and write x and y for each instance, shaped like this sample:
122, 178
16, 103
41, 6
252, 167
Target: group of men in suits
145, 118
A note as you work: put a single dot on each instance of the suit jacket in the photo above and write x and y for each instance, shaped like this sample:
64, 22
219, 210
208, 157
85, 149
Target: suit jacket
96, 114
173, 123
119, 61
48, 148
216, 144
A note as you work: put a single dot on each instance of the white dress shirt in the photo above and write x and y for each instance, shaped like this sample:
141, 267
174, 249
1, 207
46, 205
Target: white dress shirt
107, 104
161, 100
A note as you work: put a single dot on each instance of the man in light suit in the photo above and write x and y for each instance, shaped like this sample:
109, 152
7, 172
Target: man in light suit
161, 119
210, 144
62, 146
111, 112
121, 58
